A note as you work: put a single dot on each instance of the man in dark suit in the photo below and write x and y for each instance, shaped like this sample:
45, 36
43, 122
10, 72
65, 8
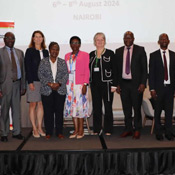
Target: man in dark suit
162, 86
12, 86
129, 76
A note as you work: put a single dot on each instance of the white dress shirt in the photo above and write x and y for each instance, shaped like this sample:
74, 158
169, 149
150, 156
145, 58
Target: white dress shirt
167, 55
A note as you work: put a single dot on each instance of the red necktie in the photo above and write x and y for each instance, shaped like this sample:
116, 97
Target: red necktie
165, 67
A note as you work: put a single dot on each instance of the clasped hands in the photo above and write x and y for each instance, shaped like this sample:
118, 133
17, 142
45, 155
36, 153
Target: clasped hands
54, 86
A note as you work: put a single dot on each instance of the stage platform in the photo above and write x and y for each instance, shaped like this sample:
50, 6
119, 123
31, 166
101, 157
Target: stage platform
91, 155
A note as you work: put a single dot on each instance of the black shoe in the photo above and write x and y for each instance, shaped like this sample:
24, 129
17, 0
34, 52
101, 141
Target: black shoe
159, 137
19, 136
169, 137
4, 139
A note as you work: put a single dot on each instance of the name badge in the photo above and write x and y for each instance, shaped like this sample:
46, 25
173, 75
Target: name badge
96, 69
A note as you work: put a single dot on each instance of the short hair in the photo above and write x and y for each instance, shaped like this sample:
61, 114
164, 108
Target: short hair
52, 44
99, 33
74, 37
9, 33
162, 35
128, 33
32, 44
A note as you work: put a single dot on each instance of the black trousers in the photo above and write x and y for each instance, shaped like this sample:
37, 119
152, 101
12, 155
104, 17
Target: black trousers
53, 112
131, 100
101, 91
165, 100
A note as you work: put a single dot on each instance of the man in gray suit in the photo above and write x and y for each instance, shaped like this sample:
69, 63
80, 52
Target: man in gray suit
12, 86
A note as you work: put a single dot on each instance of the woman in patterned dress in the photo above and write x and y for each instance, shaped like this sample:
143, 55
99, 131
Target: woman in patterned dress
76, 104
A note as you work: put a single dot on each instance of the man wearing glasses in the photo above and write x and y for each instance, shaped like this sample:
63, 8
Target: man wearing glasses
12, 86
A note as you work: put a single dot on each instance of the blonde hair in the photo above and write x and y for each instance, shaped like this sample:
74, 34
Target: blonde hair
99, 33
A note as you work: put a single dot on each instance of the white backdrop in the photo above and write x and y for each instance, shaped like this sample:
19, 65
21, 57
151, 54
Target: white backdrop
61, 19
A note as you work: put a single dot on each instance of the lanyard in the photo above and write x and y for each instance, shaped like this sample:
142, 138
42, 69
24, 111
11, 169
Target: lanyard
96, 59
72, 60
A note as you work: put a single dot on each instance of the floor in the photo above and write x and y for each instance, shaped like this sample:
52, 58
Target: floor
89, 142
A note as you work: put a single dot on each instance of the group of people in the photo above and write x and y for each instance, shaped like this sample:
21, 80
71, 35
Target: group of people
59, 87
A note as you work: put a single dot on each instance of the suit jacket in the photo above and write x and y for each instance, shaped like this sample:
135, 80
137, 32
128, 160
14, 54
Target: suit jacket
32, 61
105, 64
156, 70
6, 80
45, 76
82, 67
138, 66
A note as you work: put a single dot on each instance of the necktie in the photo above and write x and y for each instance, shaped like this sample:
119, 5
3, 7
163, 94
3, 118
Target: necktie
14, 66
165, 67
127, 67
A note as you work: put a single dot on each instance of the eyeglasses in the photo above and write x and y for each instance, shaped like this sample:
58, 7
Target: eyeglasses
10, 38
75, 43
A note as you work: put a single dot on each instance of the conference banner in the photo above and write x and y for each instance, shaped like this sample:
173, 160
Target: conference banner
5, 26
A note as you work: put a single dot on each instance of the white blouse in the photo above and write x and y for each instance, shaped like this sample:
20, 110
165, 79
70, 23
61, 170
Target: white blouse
53, 68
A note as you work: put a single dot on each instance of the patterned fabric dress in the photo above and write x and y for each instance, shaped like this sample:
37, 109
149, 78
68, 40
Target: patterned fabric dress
76, 104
